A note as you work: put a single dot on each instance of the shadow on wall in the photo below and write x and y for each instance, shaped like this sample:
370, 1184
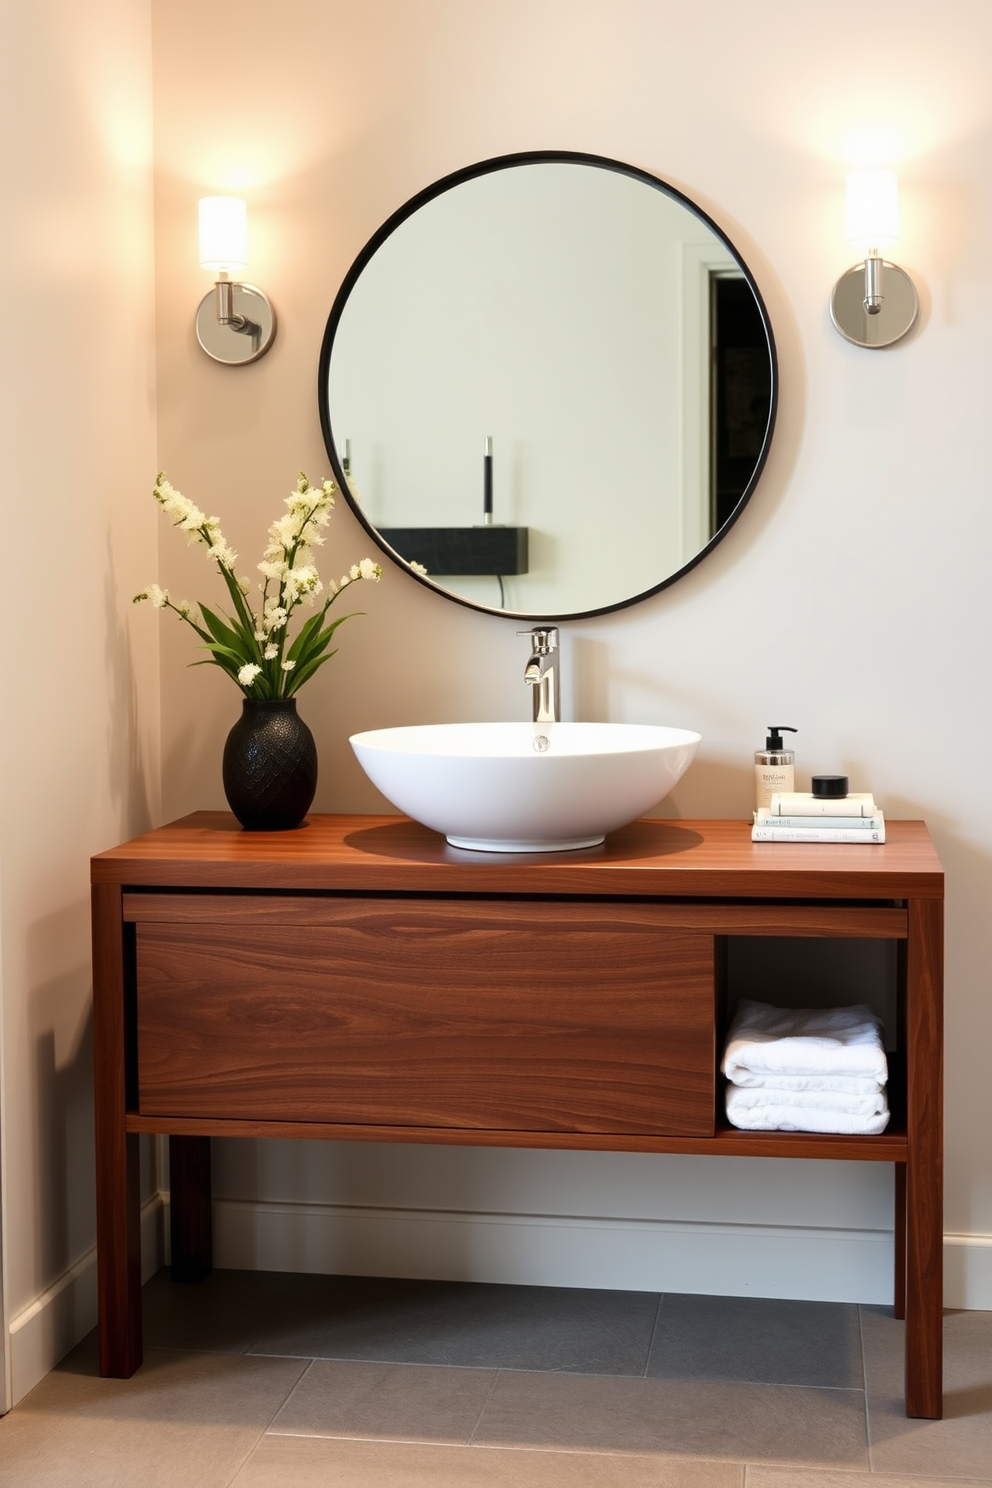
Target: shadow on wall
64, 1168
129, 789
65, 1216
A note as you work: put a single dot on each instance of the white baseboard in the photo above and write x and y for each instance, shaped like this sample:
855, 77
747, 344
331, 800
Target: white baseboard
44, 1331
637, 1255
968, 1272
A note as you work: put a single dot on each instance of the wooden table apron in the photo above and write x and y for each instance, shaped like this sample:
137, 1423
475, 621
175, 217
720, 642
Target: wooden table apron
657, 894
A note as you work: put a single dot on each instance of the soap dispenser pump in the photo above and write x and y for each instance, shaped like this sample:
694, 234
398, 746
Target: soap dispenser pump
774, 766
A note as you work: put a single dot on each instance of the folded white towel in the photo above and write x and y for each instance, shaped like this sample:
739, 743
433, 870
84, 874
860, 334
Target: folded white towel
804, 1118
811, 1100
843, 1084
765, 1040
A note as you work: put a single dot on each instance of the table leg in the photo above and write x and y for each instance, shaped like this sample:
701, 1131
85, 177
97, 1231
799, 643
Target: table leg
924, 1170
118, 1221
899, 1299
191, 1226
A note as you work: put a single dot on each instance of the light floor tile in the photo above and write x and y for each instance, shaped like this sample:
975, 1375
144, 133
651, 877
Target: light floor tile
404, 1402
791, 1477
749, 1423
187, 1419
961, 1444
300, 1462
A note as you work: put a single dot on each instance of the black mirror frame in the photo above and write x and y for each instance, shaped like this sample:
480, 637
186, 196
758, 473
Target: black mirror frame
457, 178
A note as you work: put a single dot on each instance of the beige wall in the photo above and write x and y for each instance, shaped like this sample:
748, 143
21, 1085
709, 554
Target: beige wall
852, 597
79, 746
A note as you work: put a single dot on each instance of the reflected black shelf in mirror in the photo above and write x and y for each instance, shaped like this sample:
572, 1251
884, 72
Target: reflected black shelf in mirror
461, 550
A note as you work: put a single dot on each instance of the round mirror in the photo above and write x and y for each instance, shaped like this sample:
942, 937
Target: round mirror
548, 381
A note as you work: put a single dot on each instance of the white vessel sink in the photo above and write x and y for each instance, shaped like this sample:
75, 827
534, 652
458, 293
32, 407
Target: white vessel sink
525, 787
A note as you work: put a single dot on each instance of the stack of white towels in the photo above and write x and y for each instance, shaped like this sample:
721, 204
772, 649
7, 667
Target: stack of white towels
808, 1069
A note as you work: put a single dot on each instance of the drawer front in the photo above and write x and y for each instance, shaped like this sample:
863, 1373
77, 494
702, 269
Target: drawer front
494, 1016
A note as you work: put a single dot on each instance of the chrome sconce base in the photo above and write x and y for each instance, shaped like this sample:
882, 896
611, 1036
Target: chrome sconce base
235, 323
895, 315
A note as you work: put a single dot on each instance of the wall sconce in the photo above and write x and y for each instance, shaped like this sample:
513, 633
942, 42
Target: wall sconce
875, 303
235, 323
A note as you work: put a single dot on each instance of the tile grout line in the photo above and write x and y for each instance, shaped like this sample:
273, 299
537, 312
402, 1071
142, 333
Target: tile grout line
482, 1409
654, 1334
265, 1429
864, 1386
289, 1395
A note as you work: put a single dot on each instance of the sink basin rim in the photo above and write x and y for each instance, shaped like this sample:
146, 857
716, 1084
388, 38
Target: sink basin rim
487, 788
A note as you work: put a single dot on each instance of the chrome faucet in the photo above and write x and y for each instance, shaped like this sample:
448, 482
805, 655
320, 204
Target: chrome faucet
543, 673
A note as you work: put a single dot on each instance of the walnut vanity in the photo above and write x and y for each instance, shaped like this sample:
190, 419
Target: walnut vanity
361, 980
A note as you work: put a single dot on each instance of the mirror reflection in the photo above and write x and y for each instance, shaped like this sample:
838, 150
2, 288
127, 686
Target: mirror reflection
607, 340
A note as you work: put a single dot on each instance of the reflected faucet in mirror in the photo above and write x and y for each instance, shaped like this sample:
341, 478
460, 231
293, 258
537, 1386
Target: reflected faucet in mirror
543, 673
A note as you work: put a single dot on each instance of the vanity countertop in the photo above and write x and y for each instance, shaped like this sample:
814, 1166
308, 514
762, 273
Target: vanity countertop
651, 857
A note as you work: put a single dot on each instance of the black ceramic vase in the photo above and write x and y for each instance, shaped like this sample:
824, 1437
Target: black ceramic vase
270, 766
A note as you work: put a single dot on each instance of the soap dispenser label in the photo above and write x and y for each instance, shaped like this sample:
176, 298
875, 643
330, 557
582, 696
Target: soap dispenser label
771, 778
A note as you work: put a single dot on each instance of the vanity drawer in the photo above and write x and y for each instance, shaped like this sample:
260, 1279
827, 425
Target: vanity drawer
489, 1015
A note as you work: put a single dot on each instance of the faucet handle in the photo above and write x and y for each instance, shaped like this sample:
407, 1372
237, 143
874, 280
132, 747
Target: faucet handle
544, 639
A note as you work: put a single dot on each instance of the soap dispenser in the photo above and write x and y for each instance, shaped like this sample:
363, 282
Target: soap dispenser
774, 766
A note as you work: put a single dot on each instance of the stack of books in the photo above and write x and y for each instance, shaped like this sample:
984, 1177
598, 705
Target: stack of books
795, 816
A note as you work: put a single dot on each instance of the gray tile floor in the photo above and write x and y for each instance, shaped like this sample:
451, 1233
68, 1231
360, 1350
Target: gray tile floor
283, 1381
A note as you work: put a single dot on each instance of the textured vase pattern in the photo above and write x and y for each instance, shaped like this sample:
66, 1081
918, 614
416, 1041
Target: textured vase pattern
270, 766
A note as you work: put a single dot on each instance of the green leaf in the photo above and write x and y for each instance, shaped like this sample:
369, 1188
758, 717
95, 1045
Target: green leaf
226, 635
237, 598
303, 638
321, 642
220, 650
304, 673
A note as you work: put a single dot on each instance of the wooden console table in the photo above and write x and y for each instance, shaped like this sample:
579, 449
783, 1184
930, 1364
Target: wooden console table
360, 980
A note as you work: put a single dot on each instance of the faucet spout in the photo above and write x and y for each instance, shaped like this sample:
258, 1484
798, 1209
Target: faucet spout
542, 673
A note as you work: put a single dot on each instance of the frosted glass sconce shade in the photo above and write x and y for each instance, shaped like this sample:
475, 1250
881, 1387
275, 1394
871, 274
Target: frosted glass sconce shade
875, 303
223, 233
235, 323
872, 209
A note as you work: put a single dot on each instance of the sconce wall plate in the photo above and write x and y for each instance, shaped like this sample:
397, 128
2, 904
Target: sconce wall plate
895, 318
226, 343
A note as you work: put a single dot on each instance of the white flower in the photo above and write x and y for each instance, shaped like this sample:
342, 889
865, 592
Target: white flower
288, 577
186, 516
418, 567
225, 556
301, 582
287, 529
